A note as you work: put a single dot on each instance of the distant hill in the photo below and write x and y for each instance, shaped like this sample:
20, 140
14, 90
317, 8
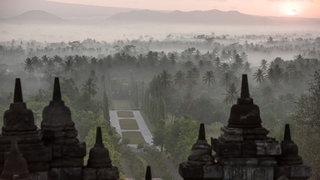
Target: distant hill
206, 17
198, 17
35, 16
11, 8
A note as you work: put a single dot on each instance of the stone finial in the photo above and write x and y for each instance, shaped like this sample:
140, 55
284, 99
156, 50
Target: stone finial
290, 151
201, 150
99, 155
201, 155
99, 162
202, 132
15, 164
244, 114
287, 133
57, 116
18, 92
56, 90
99, 138
245, 87
58, 129
18, 119
290, 163
148, 173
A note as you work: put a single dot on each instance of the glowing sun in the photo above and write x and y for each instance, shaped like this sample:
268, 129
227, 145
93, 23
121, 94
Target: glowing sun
291, 12
291, 9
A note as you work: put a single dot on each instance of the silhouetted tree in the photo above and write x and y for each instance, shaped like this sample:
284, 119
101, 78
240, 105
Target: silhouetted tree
259, 76
231, 94
208, 78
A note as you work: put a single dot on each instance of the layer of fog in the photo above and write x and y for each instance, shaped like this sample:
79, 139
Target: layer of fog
115, 31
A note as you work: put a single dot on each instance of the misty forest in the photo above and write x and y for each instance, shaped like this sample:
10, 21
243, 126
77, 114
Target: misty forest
175, 81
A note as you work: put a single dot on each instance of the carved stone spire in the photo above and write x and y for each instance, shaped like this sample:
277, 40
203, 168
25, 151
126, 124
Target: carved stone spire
202, 132
148, 173
245, 87
99, 138
201, 150
56, 115
18, 123
99, 162
15, 164
290, 152
287, 133
58, 129
244, 114
99, 155
201, 156
290, 163
18, 119
56, 90
18, 98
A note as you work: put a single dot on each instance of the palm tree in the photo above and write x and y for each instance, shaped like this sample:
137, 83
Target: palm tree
231, 94
264, 65
192, 77
227, 78
68, 65
259, 76
90, 86
179, 78
28, 65
165, 79
246, 67
37, 63
275, 74
208, 78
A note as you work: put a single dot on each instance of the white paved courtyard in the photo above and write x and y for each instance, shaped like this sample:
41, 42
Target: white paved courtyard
143, 128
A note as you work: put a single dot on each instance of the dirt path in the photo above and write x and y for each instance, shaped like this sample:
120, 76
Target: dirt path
172, 169
126, 168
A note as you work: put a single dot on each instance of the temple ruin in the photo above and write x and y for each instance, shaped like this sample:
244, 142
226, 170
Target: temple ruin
242, 152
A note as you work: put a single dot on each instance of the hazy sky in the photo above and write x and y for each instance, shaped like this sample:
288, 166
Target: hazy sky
300, 8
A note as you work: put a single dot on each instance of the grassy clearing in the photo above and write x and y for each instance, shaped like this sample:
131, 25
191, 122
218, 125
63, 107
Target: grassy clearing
133, 137
121, 104
125, 114
128, 124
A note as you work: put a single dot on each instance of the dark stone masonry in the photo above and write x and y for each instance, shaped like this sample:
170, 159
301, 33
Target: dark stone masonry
52, 152
242, 152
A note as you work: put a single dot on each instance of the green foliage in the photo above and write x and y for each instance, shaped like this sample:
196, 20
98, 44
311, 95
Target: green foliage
121, 104
179, 84
307, 124
259, 76
37, 107
90, 85
128, 124
105, 100
125, 114
207, 110
135, 163
85, 120
180, 136
133, 137
231, 94
159, 163
208, 78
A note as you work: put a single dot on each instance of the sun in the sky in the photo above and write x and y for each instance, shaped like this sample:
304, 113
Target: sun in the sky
291, 8
291, 12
